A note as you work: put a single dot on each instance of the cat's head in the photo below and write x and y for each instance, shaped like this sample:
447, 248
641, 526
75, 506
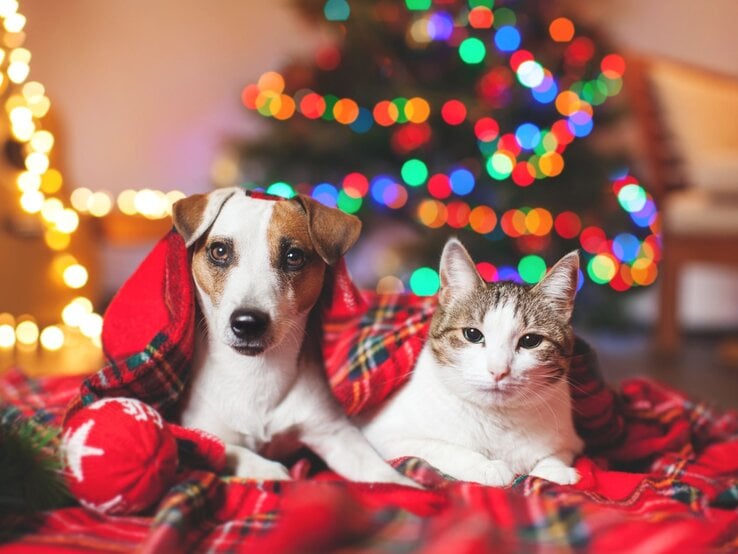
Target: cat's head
502, 343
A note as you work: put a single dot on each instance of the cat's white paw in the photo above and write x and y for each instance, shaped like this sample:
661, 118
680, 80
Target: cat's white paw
495, 473
559, 474
248, 465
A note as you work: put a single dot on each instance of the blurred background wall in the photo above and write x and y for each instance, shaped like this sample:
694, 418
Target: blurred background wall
146, 94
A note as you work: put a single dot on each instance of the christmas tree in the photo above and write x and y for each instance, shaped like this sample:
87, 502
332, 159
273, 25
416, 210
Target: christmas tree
474, 118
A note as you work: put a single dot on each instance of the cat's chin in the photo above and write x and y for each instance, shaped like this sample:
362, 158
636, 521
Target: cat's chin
492, 394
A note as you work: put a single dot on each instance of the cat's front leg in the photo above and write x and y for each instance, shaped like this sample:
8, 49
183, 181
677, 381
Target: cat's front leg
557, 468
454, 460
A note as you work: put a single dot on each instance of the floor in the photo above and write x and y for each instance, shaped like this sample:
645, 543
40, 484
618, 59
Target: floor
706, 366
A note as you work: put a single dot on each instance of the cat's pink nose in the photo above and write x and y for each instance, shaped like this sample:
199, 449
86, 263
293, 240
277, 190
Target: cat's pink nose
500, 375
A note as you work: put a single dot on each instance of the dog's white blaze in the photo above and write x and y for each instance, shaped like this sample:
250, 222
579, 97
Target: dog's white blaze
252, 282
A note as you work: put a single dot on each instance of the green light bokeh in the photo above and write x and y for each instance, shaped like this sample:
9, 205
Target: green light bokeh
472, 50
414, 172
281, 189
532, 269
425, 281
349, 204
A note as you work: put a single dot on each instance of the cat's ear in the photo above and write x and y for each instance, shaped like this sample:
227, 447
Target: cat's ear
457, 270
560, 283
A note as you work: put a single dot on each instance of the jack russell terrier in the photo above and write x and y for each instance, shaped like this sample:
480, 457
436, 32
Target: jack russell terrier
258, 381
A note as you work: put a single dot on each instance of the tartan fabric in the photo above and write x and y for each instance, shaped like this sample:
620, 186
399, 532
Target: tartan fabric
669, 485
372, 354
148, 333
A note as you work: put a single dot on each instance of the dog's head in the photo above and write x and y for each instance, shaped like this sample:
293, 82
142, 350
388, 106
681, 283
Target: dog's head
258, 264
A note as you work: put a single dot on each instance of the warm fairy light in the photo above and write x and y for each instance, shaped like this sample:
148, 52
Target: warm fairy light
37, 162
79, 199
91, 325
42, 141
151, 203
51, 338
51, 209
171, 197
57, 240
14, 23
28, 181
67, 221
75, 276
32, 201
7, 331
18, 67
8, 7
51, 181
26, 332
74, 312
41, 107
33, 91
126, 202
99, 204
20, 115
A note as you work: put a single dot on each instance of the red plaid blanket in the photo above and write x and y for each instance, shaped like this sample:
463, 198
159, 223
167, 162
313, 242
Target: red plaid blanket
660, 474
669, 484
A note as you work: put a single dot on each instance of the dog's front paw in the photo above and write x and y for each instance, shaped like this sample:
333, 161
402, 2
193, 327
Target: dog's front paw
244, 463
559, 474
495, 473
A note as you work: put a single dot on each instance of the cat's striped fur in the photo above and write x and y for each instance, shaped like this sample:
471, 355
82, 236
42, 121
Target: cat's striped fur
488, 398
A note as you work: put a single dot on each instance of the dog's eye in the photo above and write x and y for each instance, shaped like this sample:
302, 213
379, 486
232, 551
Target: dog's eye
530, 340
219, 252
294, 259
473, 335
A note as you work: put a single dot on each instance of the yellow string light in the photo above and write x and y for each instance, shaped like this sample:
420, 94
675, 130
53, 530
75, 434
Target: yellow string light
26, 105
37, 186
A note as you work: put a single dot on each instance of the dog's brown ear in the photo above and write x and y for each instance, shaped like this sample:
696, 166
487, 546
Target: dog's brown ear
332, 231
194, 215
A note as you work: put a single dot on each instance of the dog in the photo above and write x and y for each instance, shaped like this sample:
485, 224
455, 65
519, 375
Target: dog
258, 381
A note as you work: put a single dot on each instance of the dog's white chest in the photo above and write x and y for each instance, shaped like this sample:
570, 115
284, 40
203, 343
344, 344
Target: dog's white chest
236, 396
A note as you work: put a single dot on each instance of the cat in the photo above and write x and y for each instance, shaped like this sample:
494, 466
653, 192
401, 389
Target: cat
488, 398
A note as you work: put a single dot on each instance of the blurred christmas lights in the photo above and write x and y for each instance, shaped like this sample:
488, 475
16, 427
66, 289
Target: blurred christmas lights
524, 155
26, 104
531, 152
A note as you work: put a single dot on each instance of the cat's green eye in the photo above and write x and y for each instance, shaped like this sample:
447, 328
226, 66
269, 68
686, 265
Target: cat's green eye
473, 335
530, 340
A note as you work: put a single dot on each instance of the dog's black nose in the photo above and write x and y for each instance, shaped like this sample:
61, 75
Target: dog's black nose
249, 324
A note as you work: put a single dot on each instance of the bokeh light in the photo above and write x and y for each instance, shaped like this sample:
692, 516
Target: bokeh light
561, 29
531, 268
472, 50
453, 112
507, 38
414, 172
425, 281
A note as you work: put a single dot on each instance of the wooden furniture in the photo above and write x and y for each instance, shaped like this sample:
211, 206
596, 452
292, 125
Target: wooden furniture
688, 121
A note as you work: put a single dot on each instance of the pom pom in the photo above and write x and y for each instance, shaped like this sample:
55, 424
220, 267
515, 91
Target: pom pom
120, 456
